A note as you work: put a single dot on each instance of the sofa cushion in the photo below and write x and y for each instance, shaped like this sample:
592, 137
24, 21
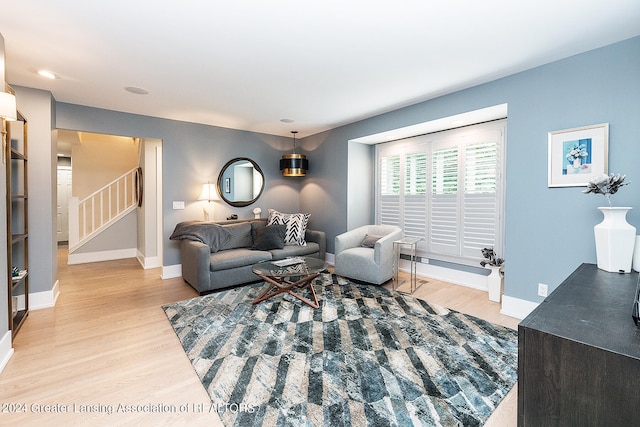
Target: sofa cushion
234, 258
289, 251
270, 237
296, 225
240, 236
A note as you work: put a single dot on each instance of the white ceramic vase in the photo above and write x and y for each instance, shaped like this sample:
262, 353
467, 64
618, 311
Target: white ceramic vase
495, 283
615, 240
577, 163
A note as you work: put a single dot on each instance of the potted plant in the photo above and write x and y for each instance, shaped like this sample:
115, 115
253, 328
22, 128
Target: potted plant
495, 278
614, 236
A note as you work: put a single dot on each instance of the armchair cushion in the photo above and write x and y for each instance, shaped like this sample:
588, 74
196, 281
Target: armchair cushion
370, 240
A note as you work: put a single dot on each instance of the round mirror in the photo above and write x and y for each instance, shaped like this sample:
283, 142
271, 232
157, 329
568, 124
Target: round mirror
240, 182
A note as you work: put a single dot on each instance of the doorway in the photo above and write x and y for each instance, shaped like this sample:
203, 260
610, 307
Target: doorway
85, 157
64, 195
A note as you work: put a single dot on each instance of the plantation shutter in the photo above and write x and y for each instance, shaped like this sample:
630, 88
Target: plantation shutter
415, 195
389, 195
445, 188
480, 201
443, 232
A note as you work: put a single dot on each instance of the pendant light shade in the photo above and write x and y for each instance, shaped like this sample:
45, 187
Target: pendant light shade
294, 164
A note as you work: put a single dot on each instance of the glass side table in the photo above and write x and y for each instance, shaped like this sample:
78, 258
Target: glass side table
412, 243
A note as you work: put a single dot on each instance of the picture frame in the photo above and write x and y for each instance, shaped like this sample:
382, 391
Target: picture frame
578, 155
227, 185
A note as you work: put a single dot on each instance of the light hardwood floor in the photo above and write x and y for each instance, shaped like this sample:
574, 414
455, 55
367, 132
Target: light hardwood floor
107, 355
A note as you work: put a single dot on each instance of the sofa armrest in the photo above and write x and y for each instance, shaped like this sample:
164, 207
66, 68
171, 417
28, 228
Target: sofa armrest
195, 264
318, 237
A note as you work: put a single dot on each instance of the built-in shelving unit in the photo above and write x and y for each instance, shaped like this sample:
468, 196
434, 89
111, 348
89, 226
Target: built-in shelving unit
15, 154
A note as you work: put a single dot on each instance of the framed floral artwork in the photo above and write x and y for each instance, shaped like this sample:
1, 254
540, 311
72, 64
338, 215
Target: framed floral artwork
578, 155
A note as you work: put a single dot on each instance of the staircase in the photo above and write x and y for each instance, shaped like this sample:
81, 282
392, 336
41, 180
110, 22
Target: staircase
95, 213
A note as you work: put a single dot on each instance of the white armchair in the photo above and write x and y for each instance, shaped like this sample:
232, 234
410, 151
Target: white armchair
371, 265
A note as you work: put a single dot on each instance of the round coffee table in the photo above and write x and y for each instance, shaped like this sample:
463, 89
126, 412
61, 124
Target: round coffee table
286, 274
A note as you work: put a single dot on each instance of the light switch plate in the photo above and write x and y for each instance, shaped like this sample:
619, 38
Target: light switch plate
178, 205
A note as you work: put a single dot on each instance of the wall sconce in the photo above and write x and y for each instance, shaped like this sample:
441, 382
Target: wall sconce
209, 193
8, 111
294, 164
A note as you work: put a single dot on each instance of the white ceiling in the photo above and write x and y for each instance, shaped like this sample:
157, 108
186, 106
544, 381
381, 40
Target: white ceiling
247, 64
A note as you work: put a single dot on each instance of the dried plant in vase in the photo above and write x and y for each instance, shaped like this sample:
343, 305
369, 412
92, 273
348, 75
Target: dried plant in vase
605, 185
490, 258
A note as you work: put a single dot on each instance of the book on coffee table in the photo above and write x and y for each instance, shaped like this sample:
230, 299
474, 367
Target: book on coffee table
287, 262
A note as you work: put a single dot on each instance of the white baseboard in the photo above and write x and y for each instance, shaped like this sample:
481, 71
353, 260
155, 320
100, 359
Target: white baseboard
513, 307
516, 307
171, 271
6, 351
457, 277
148, 262
46, 299
83, 258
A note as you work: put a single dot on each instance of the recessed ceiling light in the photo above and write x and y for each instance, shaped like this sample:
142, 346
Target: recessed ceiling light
287, 120
48, 74
136, 90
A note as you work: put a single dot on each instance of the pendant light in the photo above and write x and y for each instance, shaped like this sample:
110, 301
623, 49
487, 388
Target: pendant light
294, 164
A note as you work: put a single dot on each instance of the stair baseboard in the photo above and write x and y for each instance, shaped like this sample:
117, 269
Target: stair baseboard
83, 258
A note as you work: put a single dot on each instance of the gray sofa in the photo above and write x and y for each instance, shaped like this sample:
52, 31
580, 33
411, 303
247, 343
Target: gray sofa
231, 264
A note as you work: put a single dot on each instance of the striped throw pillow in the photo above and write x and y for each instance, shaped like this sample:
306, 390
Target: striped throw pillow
296, 226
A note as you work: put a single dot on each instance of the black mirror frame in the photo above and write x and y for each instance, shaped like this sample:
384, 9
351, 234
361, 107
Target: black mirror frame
244, 202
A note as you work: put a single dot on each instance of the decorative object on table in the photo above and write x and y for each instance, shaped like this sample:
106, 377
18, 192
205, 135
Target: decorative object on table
577, 155
256, 213
495, 279
366, 356
208, 194
294, 164
614, 236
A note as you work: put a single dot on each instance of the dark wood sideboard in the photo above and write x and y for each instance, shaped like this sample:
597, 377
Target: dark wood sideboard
579, 354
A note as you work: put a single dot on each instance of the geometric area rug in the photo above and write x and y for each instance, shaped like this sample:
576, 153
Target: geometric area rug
367, 357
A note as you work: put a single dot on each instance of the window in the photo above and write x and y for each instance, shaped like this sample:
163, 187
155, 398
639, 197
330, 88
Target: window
447, 188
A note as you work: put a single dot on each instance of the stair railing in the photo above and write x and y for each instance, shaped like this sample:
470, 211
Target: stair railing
96, 212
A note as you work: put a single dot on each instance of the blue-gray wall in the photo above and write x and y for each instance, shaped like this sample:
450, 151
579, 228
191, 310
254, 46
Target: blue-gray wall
549, 231
192, 155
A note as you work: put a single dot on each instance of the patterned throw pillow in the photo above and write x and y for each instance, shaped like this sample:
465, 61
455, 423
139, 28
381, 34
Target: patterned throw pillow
296, 226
